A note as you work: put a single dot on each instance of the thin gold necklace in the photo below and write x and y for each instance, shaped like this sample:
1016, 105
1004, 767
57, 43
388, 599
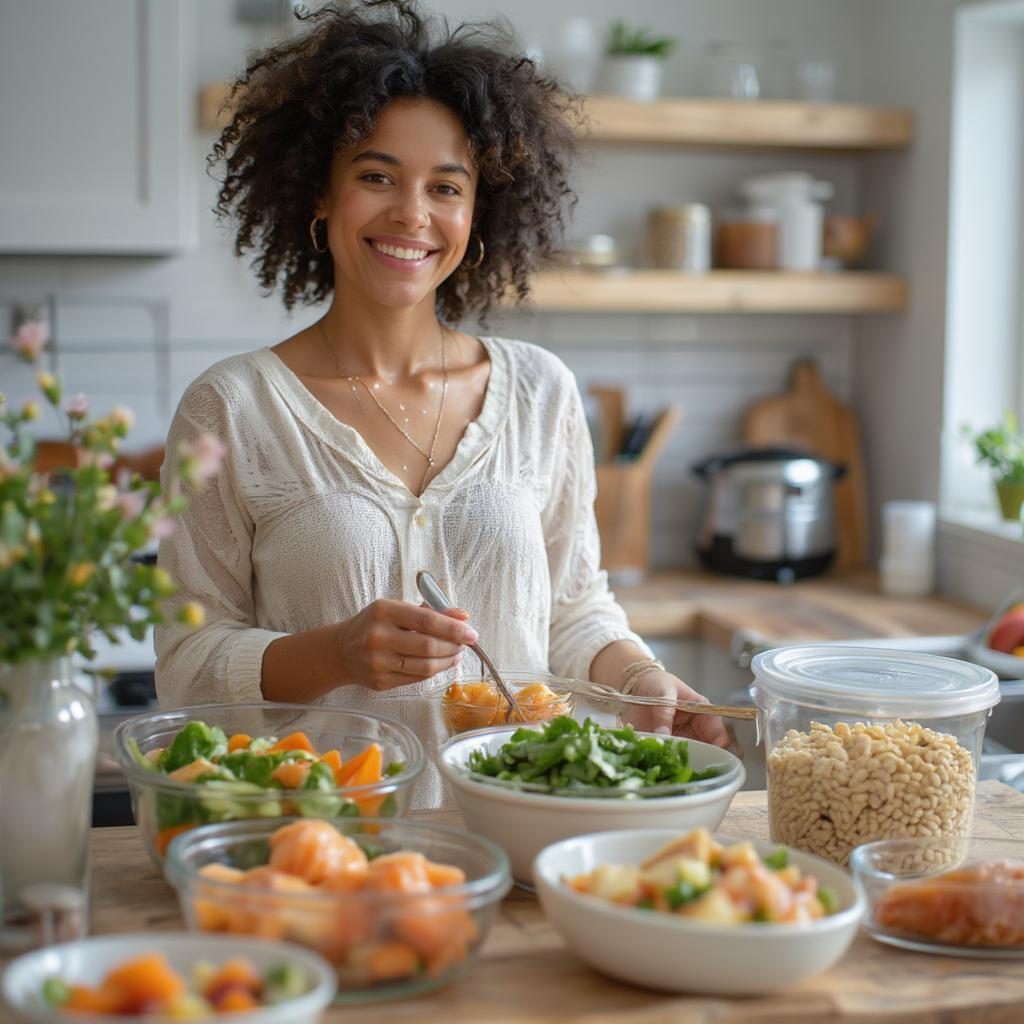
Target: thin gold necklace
353, 379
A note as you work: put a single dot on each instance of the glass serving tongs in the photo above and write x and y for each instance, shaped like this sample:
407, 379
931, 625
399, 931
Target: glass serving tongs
436, 598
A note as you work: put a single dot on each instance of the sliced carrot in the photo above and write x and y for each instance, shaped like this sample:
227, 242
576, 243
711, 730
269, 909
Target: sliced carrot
146, 979
352, 766
371, 768
295, 741
291, 774
333, 761
240, 741
165, 835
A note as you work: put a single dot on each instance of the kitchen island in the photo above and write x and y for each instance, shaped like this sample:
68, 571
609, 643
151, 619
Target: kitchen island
526, 973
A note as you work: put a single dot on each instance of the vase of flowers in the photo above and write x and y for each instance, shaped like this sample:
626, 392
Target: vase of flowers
67, 573
1001, 448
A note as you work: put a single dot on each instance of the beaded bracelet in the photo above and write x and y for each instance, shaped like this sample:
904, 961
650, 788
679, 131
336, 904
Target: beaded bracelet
636, 670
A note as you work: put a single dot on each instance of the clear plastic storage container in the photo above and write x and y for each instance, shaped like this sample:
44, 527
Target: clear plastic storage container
869, 744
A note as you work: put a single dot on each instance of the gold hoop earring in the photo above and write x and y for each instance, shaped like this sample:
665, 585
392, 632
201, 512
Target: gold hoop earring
312, 235
479, 259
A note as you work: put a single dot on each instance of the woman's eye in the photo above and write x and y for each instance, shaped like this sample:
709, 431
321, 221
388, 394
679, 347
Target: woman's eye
374, 178
448, 190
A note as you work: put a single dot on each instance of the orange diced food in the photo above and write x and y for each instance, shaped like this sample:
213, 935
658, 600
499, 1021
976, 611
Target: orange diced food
442, 875
385, 961
240, 741
234, 973
435, 924
235, 999
146, 979
405, 871
313, 850
291, 774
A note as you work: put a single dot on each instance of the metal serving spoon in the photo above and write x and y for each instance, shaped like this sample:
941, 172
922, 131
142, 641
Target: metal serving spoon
435, 597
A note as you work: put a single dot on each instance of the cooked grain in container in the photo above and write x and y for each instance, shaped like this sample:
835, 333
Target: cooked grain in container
867, 744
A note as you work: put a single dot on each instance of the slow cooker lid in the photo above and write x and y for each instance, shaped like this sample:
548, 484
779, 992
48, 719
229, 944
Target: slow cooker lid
874, 683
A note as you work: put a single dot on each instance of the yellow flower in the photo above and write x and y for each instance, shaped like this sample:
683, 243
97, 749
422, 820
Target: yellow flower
79, 573
30, 410
162, 582
50, 386
106, 497
192, 614
46, 496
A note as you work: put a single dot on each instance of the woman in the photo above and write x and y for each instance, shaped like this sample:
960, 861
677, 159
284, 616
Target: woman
412, 182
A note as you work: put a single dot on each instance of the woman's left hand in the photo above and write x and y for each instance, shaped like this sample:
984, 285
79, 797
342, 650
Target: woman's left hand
708, 728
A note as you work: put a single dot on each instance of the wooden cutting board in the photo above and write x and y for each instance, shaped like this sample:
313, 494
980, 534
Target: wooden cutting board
809, 416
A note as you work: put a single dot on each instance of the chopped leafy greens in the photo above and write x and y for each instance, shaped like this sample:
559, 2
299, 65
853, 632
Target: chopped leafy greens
567, 754
777, 860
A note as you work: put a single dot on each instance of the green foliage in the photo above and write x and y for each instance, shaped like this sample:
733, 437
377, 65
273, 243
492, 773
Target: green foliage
196, 740
67, 537
625, 41
1001, 448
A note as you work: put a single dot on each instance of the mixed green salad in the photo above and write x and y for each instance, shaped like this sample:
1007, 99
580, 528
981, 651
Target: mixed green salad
249, 777
568, 755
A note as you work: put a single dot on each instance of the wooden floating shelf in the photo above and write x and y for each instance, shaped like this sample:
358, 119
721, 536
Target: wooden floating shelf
701, 122
748, 124
720, 291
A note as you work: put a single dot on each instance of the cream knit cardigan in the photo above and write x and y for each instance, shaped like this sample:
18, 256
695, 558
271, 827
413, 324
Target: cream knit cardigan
305, 526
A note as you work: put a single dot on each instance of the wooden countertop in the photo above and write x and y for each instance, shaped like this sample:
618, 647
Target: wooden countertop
526, 974
844, 607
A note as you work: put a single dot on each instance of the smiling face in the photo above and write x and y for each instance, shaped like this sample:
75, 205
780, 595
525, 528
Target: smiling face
400, 206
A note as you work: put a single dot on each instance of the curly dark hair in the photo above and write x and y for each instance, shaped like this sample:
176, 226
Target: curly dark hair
302, 100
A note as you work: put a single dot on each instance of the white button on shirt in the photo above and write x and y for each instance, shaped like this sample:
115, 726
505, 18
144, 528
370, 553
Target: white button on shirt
304, 526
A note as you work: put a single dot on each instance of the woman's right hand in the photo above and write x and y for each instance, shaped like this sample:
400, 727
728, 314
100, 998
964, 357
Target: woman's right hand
394, 643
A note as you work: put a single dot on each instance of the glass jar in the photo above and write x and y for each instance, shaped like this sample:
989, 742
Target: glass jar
869, 744
747, 239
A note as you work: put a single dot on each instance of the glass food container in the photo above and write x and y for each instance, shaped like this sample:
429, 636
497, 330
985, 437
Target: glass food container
474, 703
864, 744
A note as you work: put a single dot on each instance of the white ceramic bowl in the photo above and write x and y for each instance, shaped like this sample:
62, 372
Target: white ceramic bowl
88, 960
679, 955
524, 822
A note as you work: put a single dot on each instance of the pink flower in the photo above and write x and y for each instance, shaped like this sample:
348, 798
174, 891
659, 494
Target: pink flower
130, 504
201, 460
30, 340
161, 528
77, 407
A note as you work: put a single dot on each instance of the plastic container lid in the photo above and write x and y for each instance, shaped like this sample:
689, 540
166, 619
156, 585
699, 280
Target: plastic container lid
873, 683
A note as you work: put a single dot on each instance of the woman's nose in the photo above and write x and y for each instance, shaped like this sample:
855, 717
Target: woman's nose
410, 209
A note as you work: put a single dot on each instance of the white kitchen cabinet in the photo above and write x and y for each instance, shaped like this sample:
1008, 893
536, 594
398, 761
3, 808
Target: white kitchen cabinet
95, 122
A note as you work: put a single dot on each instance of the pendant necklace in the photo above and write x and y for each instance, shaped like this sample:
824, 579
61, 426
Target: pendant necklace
353, 380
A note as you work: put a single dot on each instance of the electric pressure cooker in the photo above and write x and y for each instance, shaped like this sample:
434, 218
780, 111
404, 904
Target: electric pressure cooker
770, 513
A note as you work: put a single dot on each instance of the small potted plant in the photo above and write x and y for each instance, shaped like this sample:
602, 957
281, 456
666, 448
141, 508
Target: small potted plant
633, 62
1001, 448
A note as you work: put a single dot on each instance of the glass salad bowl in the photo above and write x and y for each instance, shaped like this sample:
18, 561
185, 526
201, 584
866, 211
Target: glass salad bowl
221, 762
398, 907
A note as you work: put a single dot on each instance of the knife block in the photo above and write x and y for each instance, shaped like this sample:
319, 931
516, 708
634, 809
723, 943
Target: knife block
623, 504
623, 512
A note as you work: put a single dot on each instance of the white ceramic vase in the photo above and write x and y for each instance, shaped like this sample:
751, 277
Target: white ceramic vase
48, 743
633, 76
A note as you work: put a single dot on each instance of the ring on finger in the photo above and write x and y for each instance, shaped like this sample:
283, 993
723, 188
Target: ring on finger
401, 664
